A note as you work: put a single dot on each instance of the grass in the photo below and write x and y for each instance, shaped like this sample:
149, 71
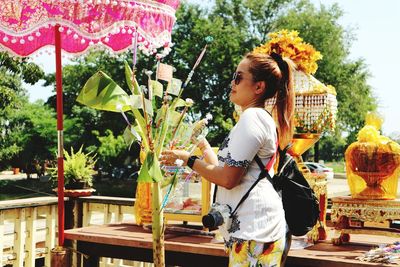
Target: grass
337, 166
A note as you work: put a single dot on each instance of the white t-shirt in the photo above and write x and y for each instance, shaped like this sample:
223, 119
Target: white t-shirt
261, 216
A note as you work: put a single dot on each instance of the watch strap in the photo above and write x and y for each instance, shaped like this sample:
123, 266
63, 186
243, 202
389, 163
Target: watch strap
191, 161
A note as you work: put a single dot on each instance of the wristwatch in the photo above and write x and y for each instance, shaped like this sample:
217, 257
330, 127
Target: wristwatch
191, 161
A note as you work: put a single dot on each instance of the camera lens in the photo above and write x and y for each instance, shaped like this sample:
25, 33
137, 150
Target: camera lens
212, 220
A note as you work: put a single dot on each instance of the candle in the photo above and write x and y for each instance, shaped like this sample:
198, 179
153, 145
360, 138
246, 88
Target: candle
135, 48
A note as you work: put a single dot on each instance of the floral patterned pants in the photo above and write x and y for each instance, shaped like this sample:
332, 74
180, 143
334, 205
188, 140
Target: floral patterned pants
254, 254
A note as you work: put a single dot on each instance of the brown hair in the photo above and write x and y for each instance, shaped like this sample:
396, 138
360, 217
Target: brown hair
277, 75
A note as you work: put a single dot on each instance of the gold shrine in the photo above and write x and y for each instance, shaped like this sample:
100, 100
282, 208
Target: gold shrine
372, 168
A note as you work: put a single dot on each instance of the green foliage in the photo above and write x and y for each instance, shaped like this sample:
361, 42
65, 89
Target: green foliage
332, 147
30, 135
12, 73
337, 166
112, 151
78, 167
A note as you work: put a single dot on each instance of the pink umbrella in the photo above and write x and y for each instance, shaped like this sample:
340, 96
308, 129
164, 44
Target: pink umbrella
77, 25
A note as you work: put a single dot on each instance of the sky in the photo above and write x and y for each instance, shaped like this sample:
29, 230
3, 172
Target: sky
375, 25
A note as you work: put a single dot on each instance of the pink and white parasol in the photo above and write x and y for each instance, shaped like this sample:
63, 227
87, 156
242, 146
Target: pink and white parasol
77, 25
28, 25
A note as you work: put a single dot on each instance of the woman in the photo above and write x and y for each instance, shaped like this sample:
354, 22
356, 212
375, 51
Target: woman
257, 234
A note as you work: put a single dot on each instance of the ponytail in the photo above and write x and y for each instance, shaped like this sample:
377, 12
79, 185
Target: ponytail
284, 105
277, 74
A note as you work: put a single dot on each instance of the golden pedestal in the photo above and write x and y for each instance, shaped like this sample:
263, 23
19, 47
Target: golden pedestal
319, 185
361, 216
301, 143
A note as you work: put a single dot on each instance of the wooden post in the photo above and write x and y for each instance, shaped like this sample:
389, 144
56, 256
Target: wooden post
20, 226
60, 257
51, 232
31, 224
1, 235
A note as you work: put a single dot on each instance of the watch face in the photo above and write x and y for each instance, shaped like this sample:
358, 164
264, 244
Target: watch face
191, 161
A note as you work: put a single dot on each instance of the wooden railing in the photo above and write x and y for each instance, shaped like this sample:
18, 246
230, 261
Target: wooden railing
27, 230
28, 227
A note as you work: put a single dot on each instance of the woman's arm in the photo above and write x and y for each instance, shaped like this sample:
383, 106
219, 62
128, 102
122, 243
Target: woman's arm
209, 155
226, 176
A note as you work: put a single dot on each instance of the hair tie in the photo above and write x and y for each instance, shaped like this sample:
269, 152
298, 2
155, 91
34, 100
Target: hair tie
279, 60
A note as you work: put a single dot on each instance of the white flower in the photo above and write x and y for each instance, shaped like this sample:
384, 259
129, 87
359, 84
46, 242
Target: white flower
209, 117
189, 101
148, 72
119, 107
178, 162
144, 89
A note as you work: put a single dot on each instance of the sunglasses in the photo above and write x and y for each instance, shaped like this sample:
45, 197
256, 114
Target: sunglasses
237, 77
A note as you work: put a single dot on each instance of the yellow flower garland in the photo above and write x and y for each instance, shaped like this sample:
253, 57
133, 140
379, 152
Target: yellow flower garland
289, 44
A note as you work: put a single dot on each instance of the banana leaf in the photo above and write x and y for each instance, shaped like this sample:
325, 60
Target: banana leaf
178, 102
131, 135
173, 118
101, 92
161, 118
150, 170
136, 102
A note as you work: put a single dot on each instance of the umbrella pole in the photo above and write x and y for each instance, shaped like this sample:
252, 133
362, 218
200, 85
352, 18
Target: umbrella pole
60, 154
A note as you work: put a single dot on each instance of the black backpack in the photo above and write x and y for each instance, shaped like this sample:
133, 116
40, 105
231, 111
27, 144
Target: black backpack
299, 201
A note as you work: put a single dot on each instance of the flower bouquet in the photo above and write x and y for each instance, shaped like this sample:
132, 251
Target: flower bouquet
159, 122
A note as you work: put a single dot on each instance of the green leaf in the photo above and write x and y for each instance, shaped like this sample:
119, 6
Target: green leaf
150, 170
178, 102
131, 135
136, 102
173, 118
101, 92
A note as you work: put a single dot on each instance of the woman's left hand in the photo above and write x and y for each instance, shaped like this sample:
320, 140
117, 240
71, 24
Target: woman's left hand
168, 157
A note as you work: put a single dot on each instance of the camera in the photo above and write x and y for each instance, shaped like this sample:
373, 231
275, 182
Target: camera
218, 215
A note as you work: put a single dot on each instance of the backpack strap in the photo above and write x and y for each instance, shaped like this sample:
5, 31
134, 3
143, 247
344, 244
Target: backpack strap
264, 173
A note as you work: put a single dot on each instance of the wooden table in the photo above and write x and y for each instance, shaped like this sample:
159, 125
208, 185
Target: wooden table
127, 241
131, 242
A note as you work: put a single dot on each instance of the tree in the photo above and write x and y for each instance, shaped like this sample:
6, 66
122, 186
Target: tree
34, 134
12, 98
12, 73
237, 27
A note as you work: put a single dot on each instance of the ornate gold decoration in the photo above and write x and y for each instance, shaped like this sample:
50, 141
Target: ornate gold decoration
365, 210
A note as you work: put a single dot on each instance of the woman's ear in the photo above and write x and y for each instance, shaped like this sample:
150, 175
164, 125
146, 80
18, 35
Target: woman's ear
260, 87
